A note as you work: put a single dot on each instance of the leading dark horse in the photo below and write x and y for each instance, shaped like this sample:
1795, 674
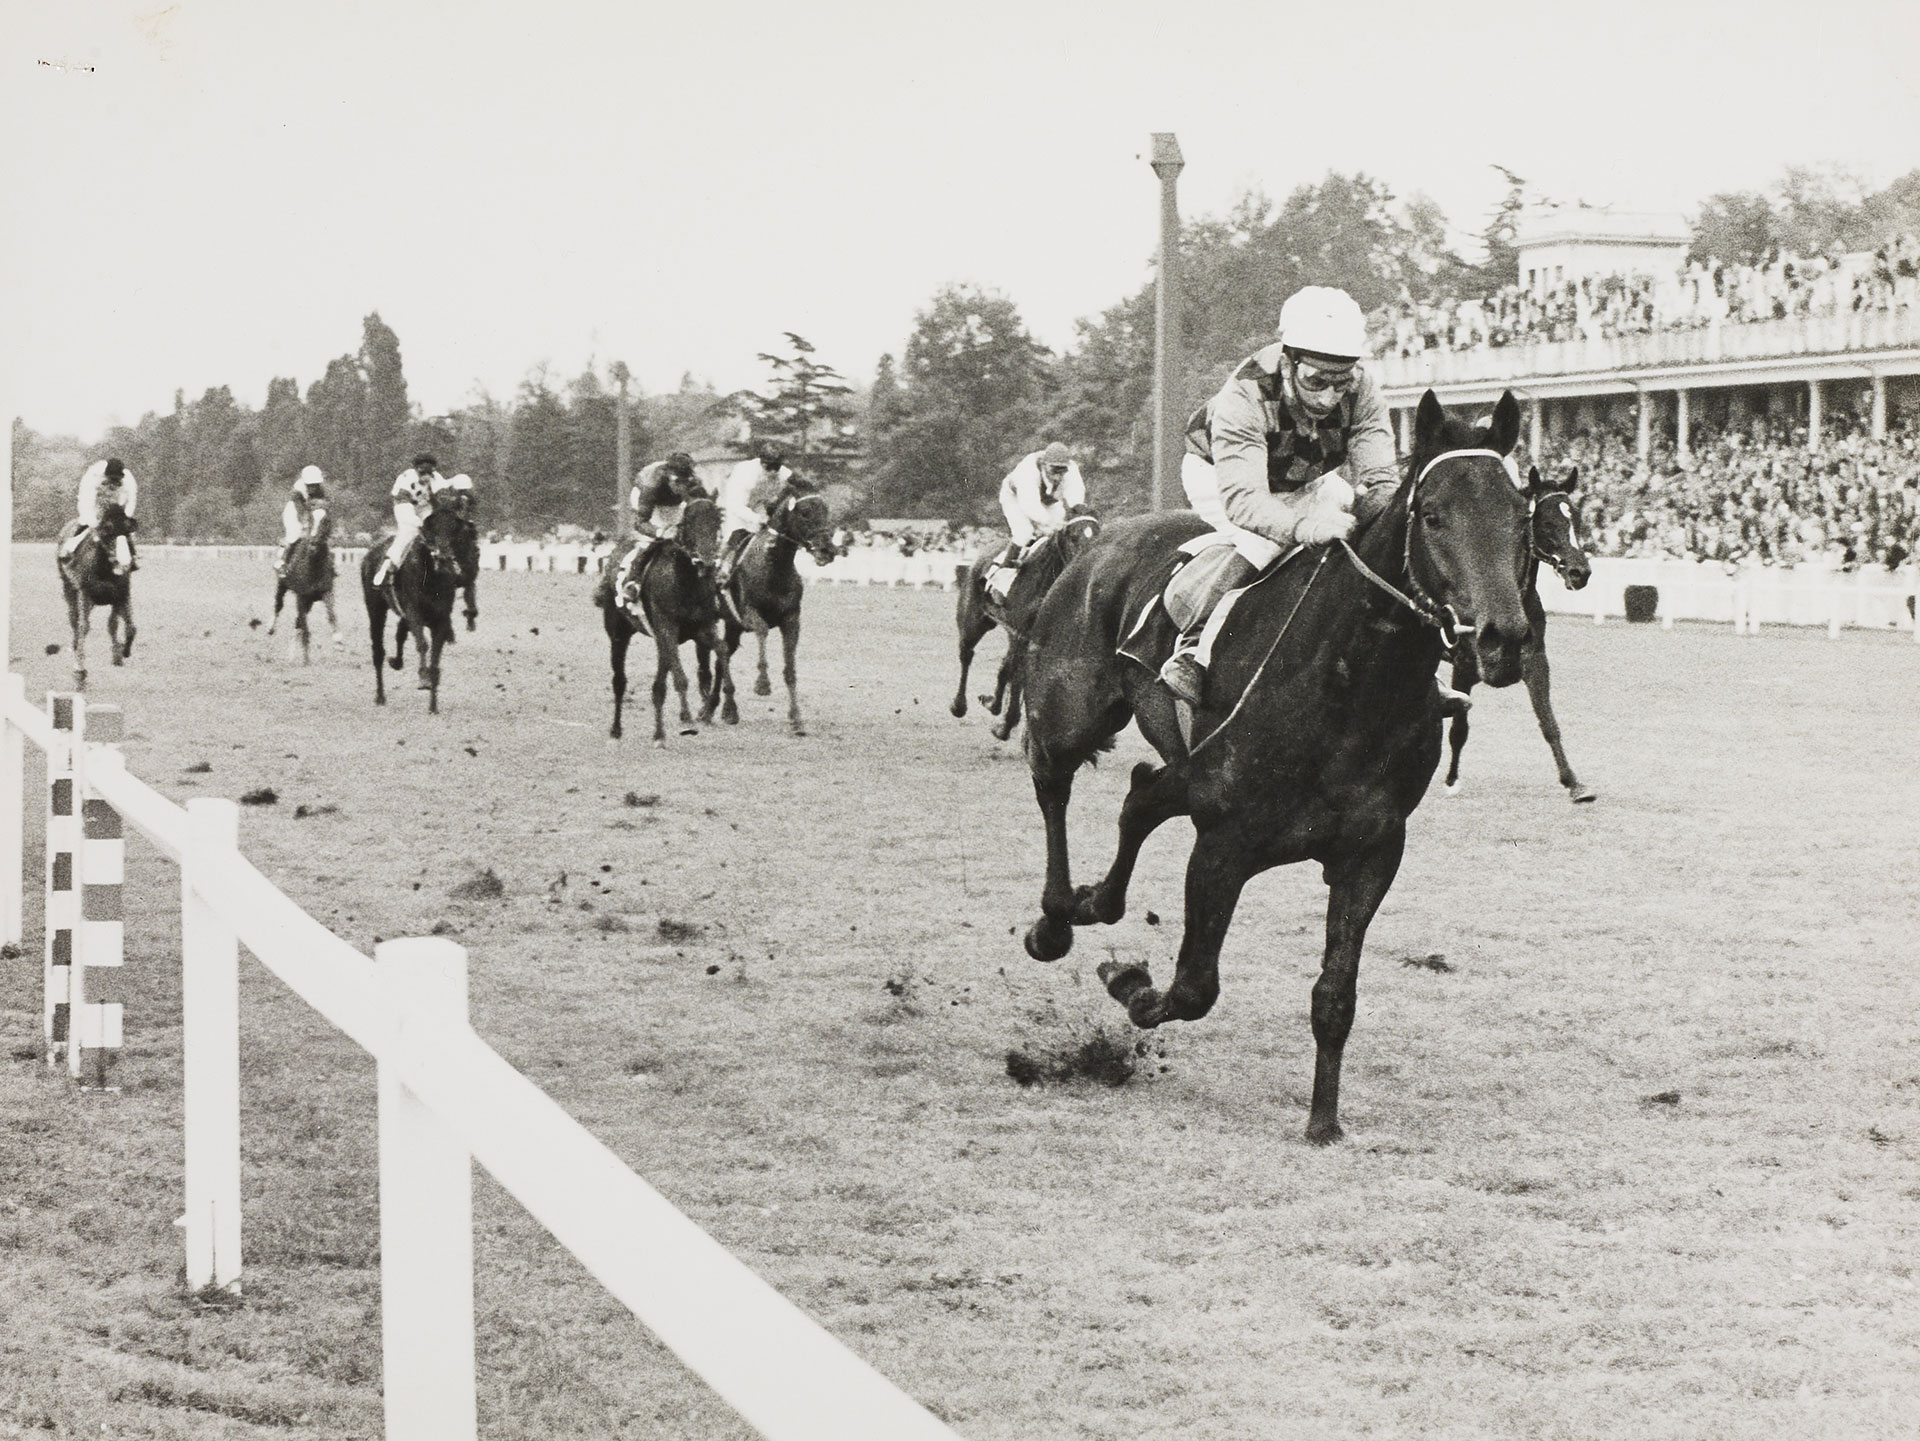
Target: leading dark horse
309, 577
765, 589
88, 578
420, 593
1321, 731
466, 547
978, 611
1553, 537
680, 603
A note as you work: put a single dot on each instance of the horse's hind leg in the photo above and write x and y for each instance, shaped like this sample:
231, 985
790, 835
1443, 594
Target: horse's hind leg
761, 684
473, 606
618, 638
279, 595
333, 621
1157, 795
723, 677
972, 627
304, 636
1538, 676
1217, 871
80, 615
663, 662
377, 635
1006, 696
789, 672
439, 636
398, 658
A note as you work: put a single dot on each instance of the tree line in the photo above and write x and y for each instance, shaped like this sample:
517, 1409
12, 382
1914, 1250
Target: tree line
933, 431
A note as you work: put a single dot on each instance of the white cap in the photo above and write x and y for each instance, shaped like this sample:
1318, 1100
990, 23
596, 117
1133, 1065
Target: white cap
1324, 320
311, 475
462, 481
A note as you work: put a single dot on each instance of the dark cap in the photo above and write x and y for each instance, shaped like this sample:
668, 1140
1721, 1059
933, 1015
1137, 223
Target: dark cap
680, 463
424, 462
116, 468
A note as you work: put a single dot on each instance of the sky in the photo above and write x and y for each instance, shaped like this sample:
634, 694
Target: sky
215, 192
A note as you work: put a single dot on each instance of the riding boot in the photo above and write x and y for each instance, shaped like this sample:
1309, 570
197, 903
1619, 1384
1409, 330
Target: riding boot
1185, 671
286, 554
1002, 570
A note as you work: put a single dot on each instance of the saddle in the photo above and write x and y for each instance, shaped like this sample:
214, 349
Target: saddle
641, 570
1175, 604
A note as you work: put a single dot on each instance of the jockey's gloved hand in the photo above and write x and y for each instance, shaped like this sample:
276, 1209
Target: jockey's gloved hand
1319, 529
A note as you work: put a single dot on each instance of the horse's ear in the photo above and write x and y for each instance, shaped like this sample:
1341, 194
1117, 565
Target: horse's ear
1504, 431
1427, 420
1572, 482
1533, 481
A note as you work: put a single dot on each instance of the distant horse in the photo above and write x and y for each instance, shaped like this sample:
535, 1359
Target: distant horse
420, 594
88, 578
765, 589
1553, 536
1321, 728
978, 611
308, 574
679, 603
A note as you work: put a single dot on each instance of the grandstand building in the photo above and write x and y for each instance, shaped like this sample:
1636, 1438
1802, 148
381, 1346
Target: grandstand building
1804, 369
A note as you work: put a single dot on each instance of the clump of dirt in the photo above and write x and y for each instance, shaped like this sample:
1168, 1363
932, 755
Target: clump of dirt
634, 798
609, 923
200, 768
1434, 962
672, 930
301, 812
53, 648
1107, 1057
262, 796
482, 885
1661, 1098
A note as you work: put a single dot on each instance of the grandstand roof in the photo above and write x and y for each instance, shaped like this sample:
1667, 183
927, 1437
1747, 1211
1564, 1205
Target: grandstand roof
1599, 225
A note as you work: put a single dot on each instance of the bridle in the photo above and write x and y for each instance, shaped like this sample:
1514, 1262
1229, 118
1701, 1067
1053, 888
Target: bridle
786, 508
1415, 598
1557, 560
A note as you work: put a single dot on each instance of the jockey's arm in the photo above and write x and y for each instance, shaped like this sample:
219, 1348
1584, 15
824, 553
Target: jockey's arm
1238, 439
1372, 467
1018, 521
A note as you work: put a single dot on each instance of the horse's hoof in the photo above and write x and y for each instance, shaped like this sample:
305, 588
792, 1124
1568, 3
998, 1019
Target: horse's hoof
471, 623
731, 715
799, 729
1319, 1134
1048, 939
761, 687
1581, 796
992, 703
1452, 788
958, 708
1001, 732
659, 743
338, 643
423, 685
1089, 908
395, 663
689, 730
1126, 982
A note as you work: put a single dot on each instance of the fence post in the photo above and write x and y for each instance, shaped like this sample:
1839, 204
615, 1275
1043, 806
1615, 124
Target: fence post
13, 793
63, 861
210, 1056
100, 883
426, 1216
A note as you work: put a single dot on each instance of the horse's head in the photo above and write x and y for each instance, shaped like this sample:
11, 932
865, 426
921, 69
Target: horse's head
319, 522
700, 531
1078, 533
806, 521
1466, 531
1555, 532
440, 539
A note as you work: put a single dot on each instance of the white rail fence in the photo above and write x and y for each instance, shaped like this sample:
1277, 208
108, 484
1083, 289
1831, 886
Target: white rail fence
1806, 595
446, 1099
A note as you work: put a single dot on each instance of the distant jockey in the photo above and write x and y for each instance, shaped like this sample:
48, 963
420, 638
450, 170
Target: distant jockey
1037, 497
752, 488
658, 500
455, 493
1264, 455
412, 503
302, 513
106, 483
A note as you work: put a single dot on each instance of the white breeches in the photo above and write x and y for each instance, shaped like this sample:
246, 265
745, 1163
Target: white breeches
292, 526
406, 525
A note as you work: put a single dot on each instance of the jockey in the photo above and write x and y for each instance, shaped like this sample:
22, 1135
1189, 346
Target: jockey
412, 495
105, 483
1037, 497
1263, 455
304, 507
752, 489
658, 499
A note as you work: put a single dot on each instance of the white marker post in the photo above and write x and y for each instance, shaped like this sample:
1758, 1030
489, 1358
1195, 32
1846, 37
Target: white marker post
210, 1045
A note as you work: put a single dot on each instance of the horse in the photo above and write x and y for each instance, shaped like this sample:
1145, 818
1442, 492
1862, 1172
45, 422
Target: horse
978, 611
679, 602
1320, 731
308, 574
88, 578
420, 593
765, 588
1553, 536
466, 548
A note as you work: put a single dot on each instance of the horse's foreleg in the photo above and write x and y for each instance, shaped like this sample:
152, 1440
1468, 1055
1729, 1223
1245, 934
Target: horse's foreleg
1538, 675
617, 641
1006, 696
80, 616
279, 595
1355, 887
678, 672
972, 628
664, 661
426, 646
1051, 937
723, 677
302, 630
790, 643
377, 634
399, 657
439, 635
1217, 871
472, 611
1157, 795
761, 684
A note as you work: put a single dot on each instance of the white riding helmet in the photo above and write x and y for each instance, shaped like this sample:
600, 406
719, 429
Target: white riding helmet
462, 481
1324, 320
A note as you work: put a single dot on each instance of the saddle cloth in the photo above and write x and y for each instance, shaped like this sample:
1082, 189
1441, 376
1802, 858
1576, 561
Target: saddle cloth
1150, 639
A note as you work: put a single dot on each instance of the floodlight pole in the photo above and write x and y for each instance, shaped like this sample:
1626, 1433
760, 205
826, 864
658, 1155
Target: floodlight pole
1167, 439
623, 454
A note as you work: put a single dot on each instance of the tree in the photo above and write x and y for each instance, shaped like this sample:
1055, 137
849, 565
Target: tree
540, 486
806, 407
384, 421
1502, 265
335, 442
1736, 227
974, 385
283, 432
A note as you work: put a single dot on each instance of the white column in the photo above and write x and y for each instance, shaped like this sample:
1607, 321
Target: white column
1879, 420
426, 1215
1643, 438
1537, 431
1403, 422
1813, 414
210, 1048
1682, 423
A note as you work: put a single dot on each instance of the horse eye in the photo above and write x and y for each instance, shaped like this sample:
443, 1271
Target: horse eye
1432, 520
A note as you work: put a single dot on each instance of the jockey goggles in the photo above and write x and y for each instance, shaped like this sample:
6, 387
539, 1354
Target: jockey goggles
1324, 380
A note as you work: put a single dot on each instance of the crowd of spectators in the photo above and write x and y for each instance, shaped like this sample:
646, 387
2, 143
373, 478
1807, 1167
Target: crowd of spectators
1749, 495
1699, 294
